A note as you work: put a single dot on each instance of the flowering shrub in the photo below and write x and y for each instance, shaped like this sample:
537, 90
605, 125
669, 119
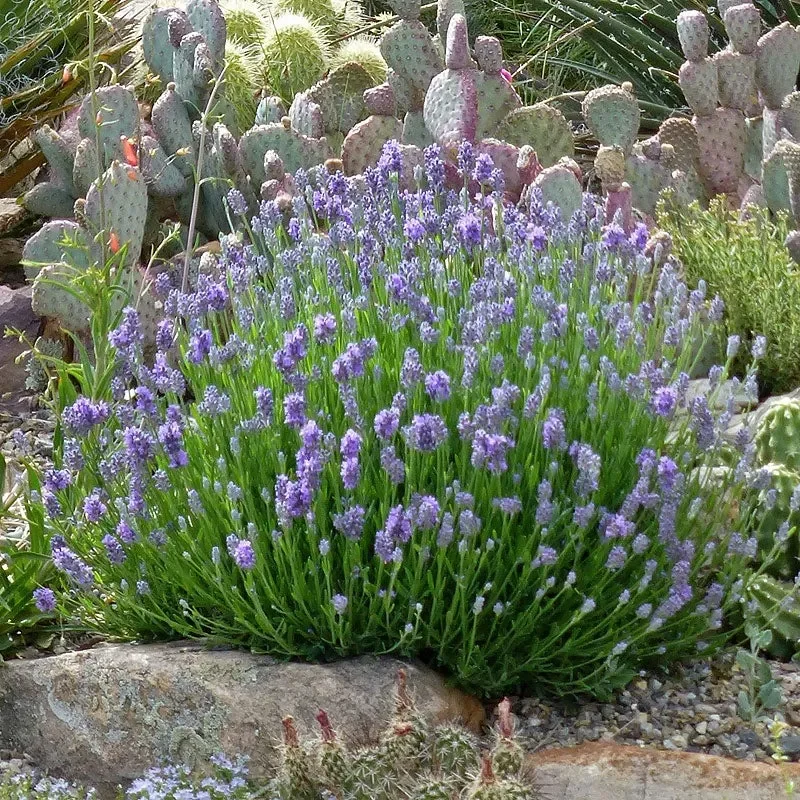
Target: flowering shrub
418, 423
746, 262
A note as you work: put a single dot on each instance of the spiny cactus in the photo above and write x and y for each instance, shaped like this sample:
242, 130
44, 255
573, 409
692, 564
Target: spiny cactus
778, 433
366, 53
413, 760
775, 605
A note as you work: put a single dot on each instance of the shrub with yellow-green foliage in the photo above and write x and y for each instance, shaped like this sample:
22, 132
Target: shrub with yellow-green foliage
745, 262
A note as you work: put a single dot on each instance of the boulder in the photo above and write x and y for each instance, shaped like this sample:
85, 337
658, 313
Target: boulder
103, 716
601, 771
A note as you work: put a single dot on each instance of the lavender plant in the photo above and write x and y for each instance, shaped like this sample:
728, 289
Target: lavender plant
417, 422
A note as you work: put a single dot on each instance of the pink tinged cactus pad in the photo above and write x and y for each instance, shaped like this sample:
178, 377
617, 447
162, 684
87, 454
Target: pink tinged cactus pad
381, 100
693, 34
736, 79
409, 51
445, 11
699, 82
743, 26
778, 62
619, 206
306, 116
489, 55
363, 145
505, 158
722, 140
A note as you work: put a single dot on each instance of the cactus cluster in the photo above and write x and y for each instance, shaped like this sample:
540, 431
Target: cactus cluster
413, 760
742, 141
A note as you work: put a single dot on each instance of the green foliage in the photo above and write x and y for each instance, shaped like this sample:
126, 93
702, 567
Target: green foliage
774, 606
746, 263
762, 693
24, 567
37, 41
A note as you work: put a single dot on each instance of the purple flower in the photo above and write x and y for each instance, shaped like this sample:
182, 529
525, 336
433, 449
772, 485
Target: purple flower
83, 415
350, 523
553, 432
351, 444
72, 565
139, 444
664, 401
425, 512
414, 230
243, 554
294, 409
437, 385
214, 402
324, 328
351, 473
617, 527
339, 602
55, 480
484, 167
411, 372
393, 465
469, 230
508, 505
386, 423
616, 558
199, 346
426, 432
114, 551
44, 599
93, 507
489, 450
236, 202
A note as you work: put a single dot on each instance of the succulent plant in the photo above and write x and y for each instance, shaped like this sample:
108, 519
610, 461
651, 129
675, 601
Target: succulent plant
775, 605
366, 53
412, 760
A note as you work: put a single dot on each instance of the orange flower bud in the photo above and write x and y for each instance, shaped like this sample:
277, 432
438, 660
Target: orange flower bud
113, 242
129, 151
66, 76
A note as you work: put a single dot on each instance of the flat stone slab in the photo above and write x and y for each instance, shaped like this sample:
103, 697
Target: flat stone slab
102, 717
600, 771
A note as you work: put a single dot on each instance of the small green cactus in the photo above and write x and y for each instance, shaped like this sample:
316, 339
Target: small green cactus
414, 761
778, 434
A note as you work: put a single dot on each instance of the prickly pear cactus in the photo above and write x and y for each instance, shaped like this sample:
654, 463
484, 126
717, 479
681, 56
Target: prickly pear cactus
561, 186
542, 127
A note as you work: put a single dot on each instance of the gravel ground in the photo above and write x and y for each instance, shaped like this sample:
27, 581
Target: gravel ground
694, 710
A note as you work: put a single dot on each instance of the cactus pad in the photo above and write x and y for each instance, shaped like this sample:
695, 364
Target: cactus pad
156, 44
363, 145
162, 178
207, 18
542, 127
117, 116
613, 115
699, 82
778, 62
124, 208
407, 48
743, 26
693, 34
559, 186
736, 74
722, 139
295, 150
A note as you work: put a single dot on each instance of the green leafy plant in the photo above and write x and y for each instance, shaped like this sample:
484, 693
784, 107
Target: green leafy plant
25, 567
762, 693
746, 263
44, 57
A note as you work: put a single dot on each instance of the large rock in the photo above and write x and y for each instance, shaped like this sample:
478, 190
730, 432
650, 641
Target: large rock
103, 716
15, 312
617, 772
